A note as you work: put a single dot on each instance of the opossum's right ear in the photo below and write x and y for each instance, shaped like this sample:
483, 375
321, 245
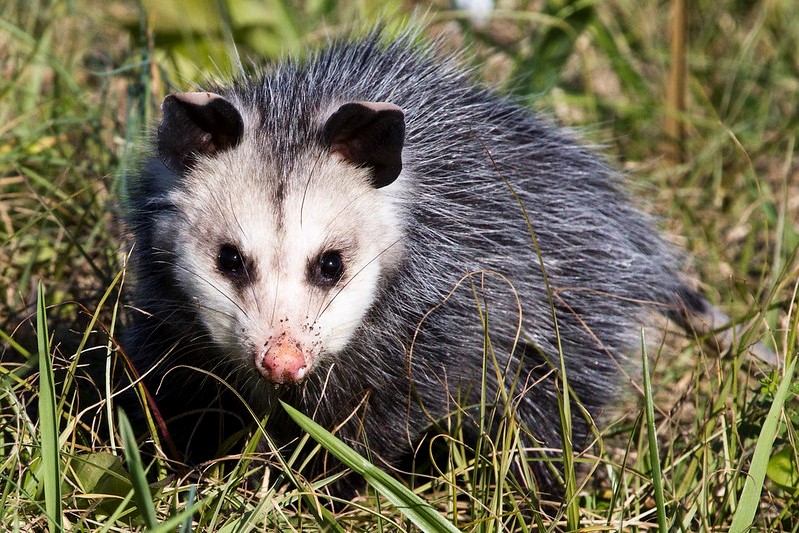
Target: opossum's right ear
194, 124
368, 134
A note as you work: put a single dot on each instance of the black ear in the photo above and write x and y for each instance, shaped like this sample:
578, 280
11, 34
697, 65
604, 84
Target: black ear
194, 124
368, 134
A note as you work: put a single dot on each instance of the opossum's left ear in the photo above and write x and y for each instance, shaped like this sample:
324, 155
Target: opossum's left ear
368, 134
194, 124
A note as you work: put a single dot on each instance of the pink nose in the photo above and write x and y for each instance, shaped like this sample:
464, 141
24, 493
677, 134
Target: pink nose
282, 361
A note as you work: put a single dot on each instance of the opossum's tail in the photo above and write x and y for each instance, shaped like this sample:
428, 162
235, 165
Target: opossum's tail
696, 315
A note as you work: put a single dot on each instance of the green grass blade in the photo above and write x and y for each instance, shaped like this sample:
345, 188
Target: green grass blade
140, 487
750, 496
654, 455
541, 70
422, 514
621, 65
48, 421
182, 519
185, 527
110, 522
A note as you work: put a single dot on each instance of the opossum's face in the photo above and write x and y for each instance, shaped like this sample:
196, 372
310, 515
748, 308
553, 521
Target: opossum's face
283, 268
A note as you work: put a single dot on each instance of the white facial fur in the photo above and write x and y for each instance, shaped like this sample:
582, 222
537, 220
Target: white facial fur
327, 204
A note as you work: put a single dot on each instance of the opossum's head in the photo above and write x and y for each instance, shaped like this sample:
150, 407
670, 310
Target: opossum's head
283, 262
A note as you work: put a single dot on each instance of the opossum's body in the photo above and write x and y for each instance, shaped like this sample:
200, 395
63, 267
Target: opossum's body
278, 245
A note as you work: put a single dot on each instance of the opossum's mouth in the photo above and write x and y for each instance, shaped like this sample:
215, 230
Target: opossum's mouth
283, 361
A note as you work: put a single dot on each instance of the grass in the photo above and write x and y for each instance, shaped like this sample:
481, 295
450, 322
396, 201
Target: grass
78, 85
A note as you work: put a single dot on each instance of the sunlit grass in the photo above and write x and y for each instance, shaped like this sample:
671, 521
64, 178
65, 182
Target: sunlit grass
80, 81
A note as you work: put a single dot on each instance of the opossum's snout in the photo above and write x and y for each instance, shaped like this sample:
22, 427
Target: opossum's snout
282, 360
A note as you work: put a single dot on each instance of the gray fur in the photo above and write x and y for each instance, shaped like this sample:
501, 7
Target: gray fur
466, 153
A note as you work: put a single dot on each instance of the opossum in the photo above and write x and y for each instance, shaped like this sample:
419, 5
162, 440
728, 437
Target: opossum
374, 238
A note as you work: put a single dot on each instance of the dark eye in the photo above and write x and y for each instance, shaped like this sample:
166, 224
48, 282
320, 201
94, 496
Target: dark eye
331, 267
229, 259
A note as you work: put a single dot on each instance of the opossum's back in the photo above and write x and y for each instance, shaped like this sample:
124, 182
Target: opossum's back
472, 161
